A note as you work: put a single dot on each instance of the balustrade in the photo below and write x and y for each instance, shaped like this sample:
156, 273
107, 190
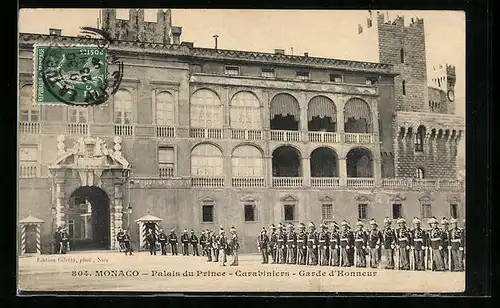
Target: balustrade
325, 182
29, 127
248, 182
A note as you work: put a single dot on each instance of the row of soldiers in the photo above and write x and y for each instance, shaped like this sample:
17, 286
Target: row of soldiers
212, 245
436, 249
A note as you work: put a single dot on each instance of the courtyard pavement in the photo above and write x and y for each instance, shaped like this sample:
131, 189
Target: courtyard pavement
112, 271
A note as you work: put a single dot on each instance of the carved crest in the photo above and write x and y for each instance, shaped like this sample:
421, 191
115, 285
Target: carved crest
397, 197
289, 198
326, 199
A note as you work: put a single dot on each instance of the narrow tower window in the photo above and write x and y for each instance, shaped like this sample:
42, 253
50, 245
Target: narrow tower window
402, 55
404, 87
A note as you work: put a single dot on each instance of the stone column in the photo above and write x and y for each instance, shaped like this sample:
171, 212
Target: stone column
306, 171
226, 113
228, 170
266, 112
268, 161
377, 168
303, 117
117, 221
343, 171
60, 202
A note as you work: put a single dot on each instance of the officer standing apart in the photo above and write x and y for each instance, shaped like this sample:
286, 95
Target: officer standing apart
151, 240
403, 235
193, 239
223, 246
119, 239
262, 245
64, 241
127, 242
312, 245
57, 240
457, 239
203, 243
360, 241
374, 244
235, 246
273, 244
162, 239
436, 246
346, 243
291, 243
334, 241
323, 243
418, 245
301, 244
389, 242
172, 239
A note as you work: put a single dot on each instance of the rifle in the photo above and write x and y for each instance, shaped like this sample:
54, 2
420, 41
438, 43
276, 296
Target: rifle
426, 264
449, 257
412, 259
432, 260
330, 255
355, 256
399, 257
340, 257
307, 255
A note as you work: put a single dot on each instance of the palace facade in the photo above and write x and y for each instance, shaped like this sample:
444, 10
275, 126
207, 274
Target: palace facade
200, 137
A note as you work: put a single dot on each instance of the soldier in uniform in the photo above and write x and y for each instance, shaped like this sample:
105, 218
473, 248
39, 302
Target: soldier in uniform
291, 243
334, 242
273, 244
209, 245
374, 244
185, 243
418, 245
57, 240
389, 242
64, 241
312, 245
346, 243
119, 240
235, 246
457, 239
323, 242
193, 240
203, 243
126, 242
403, 235
281, 240
445, 234
301, 244
151, 240
262, 245
360, 243
172, 239
223, 245
162, 239
215, 247
436, 245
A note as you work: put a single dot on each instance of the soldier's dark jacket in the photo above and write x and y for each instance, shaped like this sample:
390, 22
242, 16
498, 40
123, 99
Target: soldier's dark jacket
312, 239
375, 238
445, 237
435, 239
185, 238
418, 238
281, 239
162, 237
172, 238
346, 238
263, 241
203, 240
301, 239
234, 243
388, 237
323, 239
291, 239
457, 238
193, 239
273, 239
403, 236
334, 239
360, 239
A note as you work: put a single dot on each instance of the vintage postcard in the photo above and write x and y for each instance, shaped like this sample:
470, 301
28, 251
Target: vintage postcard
168, 150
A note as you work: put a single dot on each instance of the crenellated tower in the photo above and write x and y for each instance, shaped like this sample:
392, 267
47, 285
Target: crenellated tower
442, 89
136, 29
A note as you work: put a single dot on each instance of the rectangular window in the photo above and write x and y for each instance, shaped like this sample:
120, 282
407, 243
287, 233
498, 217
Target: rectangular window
327, 211
207, 213
335, 78
77, 115
301, 75
249, 212
289, 212
371, 81
268, 72
232, 70
362, 211
166, 161
397, 211
426, 211
454, 210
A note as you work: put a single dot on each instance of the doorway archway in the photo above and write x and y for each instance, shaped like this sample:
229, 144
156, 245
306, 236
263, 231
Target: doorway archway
88, 219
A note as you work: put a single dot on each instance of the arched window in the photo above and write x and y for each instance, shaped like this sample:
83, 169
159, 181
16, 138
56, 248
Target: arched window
321, 114
27, 112
402, 55
285, 112
357, 116
286, 162
247, 161
403, 85
323, 163
123, 107
206, 160
245, 111
359, 163
165, 109
419, 139
206, 110
420, 173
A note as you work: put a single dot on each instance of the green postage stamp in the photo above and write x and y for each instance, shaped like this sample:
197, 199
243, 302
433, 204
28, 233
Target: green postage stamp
73, 75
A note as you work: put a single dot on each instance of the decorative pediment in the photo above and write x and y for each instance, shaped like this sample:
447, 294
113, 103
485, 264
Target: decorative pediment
207, 199
425, 198
289, 198
363, 198
397, 197
248, 199
454, 199
326, 199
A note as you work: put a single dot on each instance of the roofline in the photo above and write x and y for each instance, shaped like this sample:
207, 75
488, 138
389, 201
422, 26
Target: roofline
232, 55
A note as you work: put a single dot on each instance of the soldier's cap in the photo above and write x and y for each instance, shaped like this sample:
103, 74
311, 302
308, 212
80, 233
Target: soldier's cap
192, 231
432, 221
416, 220
387, 220
161, 230
344, 223
311, 225
59, 228
222, 231
359, 223
171, 230
202, 231
324, 226
401, 220
263, 230
185, 230
444, 221
302, 225
233, 229
373, 222
453, 221
273, 226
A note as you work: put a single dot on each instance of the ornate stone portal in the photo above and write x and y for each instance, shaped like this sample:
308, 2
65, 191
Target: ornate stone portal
89, 158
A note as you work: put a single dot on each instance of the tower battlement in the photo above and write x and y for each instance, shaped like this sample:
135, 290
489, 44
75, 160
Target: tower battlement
397, 23
136, 29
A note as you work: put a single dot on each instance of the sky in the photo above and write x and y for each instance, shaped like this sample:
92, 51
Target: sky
321, 33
